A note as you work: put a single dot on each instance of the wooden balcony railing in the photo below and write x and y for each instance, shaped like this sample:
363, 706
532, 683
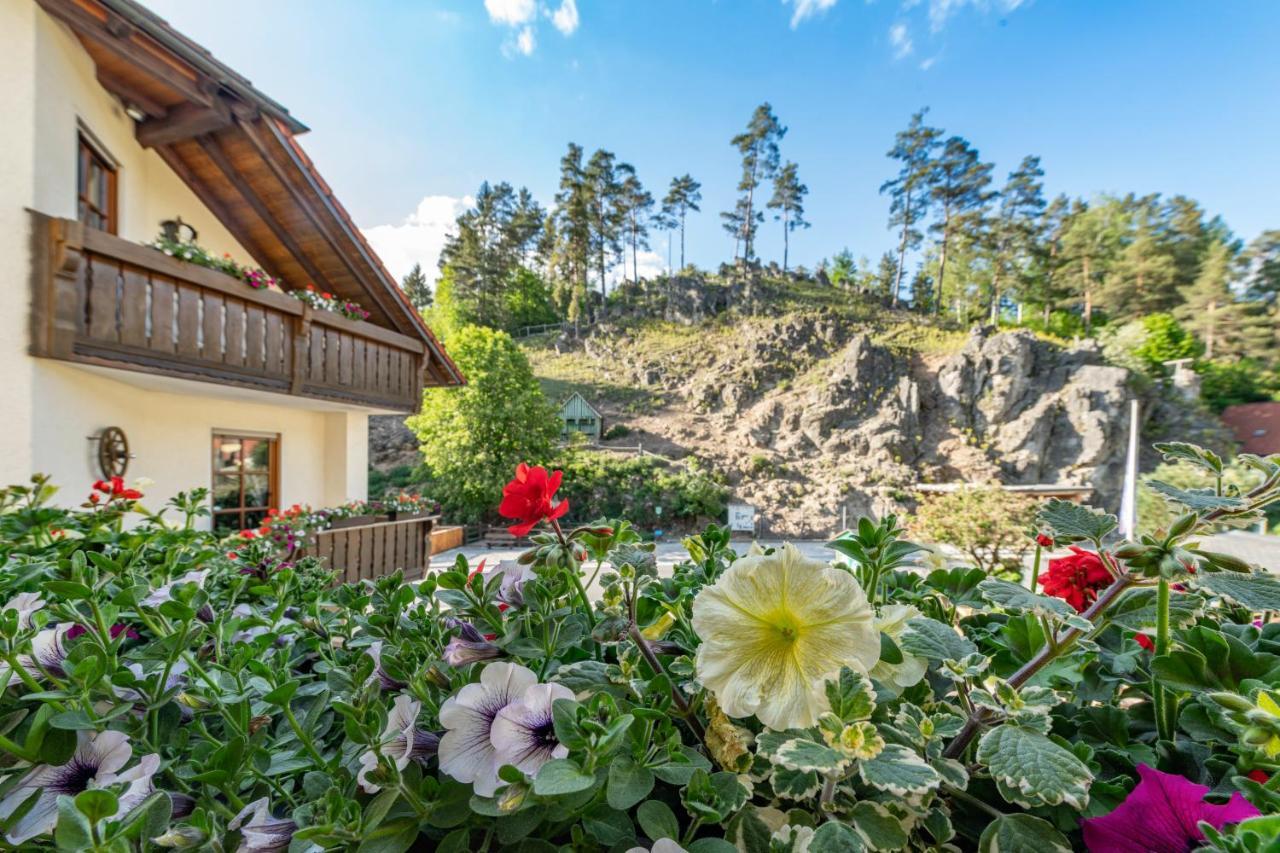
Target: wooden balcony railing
99, 299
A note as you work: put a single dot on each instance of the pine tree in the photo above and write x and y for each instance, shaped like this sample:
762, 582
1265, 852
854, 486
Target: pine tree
788, 200
1262, 276
1144, 277
1090, 245
914, 148
1227, 327
415, 287
887, 276
573, 233
958, 184
636, 206
682, 196
1016, 231
758, 145
606, 216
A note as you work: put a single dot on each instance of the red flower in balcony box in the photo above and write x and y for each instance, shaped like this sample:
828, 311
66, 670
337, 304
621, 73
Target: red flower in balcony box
1077, 579
528, 498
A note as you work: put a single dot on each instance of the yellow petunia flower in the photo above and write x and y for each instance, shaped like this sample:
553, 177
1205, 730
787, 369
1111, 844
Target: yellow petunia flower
774, 629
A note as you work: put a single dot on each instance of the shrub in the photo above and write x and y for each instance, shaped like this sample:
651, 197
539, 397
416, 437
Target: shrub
632, 487
989, 524
617, 431
1230, 383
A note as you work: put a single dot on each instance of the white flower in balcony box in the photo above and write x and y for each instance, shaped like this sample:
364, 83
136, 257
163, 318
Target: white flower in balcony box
48, 654
164, 593
94, 764
260, 832
26, 603
523, 733
466, 750
402, 741
774, 629
893, 621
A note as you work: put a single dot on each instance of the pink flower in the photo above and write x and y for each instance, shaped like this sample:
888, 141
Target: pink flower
1160, 816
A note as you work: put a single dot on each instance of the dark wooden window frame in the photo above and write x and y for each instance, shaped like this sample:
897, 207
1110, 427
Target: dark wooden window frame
102, 214
273, 476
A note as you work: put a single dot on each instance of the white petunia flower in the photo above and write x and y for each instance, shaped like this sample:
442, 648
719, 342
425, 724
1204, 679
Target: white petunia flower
48, 652
893, 620
774, 629
164, 593
94, 764
523, 733
262, 833
402, 741
374, 650
662, 845
514, 576
26, 603
466, 750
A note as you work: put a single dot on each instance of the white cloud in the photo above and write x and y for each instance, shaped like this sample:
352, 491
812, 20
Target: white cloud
926, 64
420, 237
807, 9
941, 10
523, 44
565, 19
900, 38
651, 264
513, 13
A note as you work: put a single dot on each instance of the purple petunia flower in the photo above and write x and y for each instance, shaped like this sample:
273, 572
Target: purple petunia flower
1160, 816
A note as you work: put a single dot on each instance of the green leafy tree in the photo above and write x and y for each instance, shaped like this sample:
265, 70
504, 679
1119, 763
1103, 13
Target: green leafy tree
909, 191
529, 300
958, 182
445, 316
788, 200
684, 195
844, 269
473, 437
415, 287
758, 145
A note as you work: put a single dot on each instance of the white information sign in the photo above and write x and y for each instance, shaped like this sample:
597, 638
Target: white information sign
742, 518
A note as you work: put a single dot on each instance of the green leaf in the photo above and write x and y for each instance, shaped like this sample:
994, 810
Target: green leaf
899, 771
1034, 770
282, 694
851, 695
1016, 833
1136, 609
794, 784
97, 804
805, 755
1201, 457
1017, 598
657, 820
711, 845
1258, 591
73, 830
561, 776
935, 640
1198, 500
629, 782
880, 829
1072, 522
72, 721
835, 837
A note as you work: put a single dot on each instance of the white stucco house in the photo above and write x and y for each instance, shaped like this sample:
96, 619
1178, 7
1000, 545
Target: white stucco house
114, 123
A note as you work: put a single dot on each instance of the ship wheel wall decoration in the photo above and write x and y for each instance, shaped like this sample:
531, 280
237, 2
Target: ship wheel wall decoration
113, 452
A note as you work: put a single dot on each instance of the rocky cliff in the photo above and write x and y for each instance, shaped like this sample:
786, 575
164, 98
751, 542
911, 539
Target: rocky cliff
816, 412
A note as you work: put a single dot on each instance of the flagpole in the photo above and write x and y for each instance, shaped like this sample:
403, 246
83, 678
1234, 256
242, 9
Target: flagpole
1129, 497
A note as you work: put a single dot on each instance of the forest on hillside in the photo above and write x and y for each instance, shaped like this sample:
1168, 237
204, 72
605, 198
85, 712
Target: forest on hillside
966, 247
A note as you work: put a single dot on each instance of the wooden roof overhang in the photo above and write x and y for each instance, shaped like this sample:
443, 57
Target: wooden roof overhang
236, 150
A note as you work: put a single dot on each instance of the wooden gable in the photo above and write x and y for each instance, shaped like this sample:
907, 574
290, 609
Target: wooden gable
237, 151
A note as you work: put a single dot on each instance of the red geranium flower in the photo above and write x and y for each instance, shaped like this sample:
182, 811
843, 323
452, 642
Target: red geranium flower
528, 498
1077, 579
1145, 641
116, 489
1259, 776
1044, 541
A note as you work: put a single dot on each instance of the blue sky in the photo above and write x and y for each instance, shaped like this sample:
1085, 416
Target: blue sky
413, 104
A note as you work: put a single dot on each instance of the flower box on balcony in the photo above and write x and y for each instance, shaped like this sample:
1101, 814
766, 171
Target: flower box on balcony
357, 521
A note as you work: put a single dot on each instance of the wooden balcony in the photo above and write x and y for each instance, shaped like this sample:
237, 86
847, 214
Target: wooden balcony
100, 300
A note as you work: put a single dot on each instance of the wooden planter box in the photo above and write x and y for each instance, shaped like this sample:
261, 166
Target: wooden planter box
356, 521
397, 515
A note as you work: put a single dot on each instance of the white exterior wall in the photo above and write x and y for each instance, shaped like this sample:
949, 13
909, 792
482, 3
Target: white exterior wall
48, 91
